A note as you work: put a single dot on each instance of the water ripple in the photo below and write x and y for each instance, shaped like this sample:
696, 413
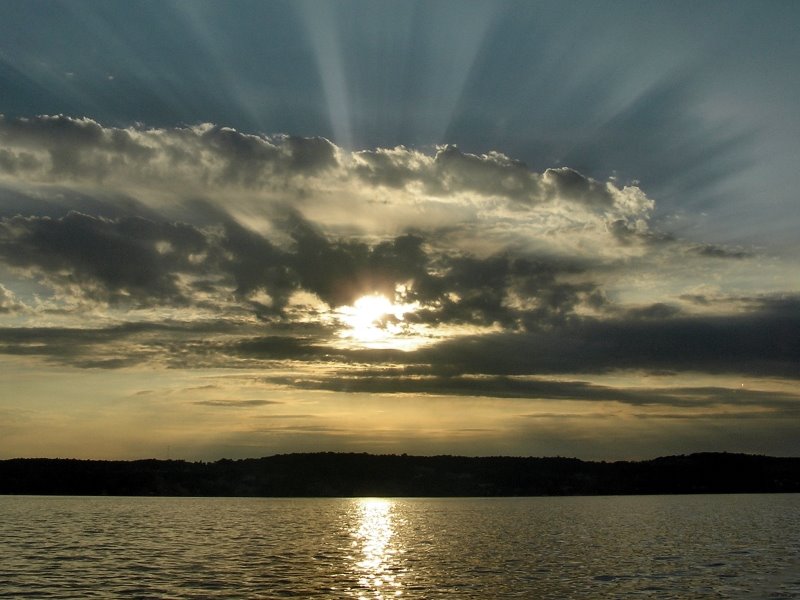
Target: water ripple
741, 546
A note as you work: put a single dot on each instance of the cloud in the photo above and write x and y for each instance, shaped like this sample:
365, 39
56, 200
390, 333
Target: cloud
62, 149
448, 172
130, 258
758, 343
128, 344
59, 148
659, 310
376, 382
762, 342
716, 251
279, 348
341, 271
9, 302
215, 247
235, 403
132, 261
568, 183
207, 175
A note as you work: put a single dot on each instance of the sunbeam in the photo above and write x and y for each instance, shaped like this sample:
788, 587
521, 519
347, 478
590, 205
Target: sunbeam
323, 34
403, 69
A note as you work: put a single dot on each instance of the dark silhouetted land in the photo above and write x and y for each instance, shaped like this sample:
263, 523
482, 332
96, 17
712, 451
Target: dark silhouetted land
333, 474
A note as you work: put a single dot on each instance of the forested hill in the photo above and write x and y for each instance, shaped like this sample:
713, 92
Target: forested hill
334, 474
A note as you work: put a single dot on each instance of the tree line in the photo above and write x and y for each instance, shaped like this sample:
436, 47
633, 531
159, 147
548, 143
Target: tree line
329, 474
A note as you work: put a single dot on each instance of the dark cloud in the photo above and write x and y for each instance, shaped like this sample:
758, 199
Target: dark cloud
235, 403
786, 305
715, 251
113, 347
450, 172
280, 348
759, 343
387, 168
121, 252
515, 292
254, 263
120, 362
493, 174
627, 232
248, 158
386, 382
659, 310
127, 259
762, 342
526, 303
8, 301
307, 154
341, 271
57, 146
132, 259
337, 271
489, 174
75, 146
244, 155
700, 299
12, 162
536, 302
57, 201
59, 130
570, 184
82, 348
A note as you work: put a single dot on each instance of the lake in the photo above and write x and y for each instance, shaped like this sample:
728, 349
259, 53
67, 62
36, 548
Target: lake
721, 546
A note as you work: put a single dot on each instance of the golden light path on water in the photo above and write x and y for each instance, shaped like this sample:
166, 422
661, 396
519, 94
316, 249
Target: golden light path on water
376, 549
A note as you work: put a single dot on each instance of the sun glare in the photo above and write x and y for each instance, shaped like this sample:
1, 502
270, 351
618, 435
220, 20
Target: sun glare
375, 321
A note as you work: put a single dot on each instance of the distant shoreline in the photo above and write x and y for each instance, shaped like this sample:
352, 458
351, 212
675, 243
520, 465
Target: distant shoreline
329, 474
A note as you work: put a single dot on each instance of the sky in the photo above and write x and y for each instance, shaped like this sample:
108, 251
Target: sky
448, 227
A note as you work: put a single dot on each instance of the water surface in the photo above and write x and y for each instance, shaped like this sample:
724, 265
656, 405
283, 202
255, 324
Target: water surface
729, 546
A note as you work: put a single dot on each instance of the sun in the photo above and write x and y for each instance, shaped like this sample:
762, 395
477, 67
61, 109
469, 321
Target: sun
364, 317
374, 321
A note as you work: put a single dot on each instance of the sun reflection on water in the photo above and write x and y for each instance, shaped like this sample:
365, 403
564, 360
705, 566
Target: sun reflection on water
376, 550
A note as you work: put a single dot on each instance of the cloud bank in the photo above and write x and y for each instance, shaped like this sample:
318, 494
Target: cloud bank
202, 248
